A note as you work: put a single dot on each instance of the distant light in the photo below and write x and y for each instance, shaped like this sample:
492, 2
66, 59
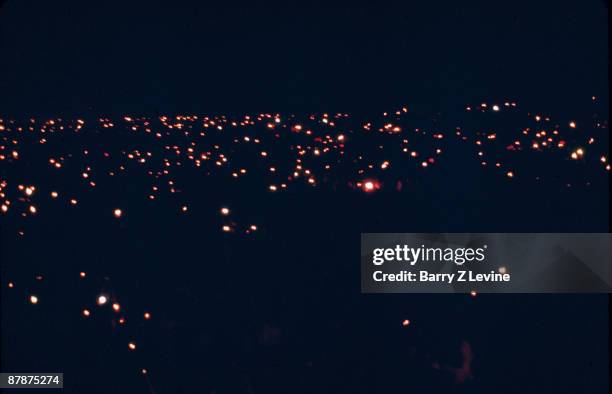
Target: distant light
370, 186
102, 300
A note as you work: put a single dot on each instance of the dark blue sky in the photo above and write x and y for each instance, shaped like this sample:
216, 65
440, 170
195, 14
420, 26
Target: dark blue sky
65, 57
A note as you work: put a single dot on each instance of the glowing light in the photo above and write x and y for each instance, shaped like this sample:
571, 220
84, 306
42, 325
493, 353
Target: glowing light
370, 186
33, 300
102, 300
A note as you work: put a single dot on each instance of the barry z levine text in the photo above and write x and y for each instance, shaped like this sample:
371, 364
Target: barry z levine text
426, 276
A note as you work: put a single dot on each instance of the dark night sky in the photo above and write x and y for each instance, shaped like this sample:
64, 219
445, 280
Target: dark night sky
64, 57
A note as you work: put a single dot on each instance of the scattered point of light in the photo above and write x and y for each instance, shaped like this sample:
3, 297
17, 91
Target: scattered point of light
225, 211
86, 312
405, 323
577, 154
102, 300
132, 346
370, 186
118, 213
147, 316
33, 299
496, 108
116, 307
